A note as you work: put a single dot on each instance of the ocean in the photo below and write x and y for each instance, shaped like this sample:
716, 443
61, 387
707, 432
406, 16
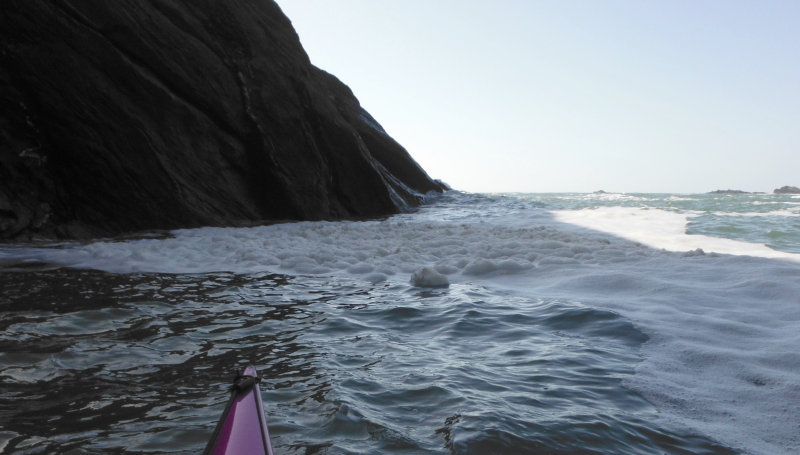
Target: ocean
572, 324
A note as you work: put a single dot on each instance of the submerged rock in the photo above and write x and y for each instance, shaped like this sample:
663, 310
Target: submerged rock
163, 114
787, 190
693, 253
429, 278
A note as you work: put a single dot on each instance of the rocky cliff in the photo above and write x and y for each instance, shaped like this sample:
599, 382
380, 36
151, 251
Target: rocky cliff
159, 114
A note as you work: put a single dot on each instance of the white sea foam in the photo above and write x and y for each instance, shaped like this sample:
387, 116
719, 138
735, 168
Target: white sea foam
662, 229
785, 212
722, 359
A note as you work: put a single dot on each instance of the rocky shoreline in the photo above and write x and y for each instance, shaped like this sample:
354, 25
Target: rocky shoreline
781, 190
730, 192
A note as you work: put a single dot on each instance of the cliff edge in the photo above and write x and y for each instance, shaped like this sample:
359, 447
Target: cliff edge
163, 114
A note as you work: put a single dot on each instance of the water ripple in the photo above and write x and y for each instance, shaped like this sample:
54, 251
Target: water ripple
92, 362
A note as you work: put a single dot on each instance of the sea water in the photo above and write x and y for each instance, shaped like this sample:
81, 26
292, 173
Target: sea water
572, 323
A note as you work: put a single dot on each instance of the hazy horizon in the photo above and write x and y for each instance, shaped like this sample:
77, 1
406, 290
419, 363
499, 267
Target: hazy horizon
578, 96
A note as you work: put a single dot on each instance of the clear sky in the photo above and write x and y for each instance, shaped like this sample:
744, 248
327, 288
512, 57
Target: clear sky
551, 96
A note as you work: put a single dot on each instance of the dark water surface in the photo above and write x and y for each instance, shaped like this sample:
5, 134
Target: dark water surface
92, 362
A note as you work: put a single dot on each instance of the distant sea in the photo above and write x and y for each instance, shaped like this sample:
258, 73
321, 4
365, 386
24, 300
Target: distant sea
573, 323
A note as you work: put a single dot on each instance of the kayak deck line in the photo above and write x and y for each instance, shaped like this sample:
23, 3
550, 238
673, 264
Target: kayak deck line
242, 429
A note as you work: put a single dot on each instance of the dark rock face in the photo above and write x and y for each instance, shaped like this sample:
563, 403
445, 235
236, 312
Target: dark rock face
787, 190
160, 114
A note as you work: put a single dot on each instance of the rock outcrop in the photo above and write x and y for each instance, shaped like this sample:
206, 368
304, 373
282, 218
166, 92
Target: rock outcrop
159, 114
729, 192
787, 190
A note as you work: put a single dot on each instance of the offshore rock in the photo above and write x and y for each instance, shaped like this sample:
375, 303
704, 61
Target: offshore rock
729, 192
160, 114
787, 190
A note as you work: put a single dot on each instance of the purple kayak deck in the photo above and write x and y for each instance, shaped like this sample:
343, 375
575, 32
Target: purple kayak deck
242, 429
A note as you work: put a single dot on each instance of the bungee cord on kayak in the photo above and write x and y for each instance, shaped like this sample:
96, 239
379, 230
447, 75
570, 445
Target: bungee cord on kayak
242, 429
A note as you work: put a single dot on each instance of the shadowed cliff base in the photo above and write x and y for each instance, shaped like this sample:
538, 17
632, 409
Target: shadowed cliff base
164, 114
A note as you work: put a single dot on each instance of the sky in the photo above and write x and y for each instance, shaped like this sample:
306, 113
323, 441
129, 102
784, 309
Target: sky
574, 96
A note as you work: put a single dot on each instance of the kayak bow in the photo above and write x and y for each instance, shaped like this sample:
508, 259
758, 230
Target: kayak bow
242, 429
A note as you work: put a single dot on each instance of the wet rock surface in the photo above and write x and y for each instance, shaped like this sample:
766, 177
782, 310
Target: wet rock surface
163, 114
